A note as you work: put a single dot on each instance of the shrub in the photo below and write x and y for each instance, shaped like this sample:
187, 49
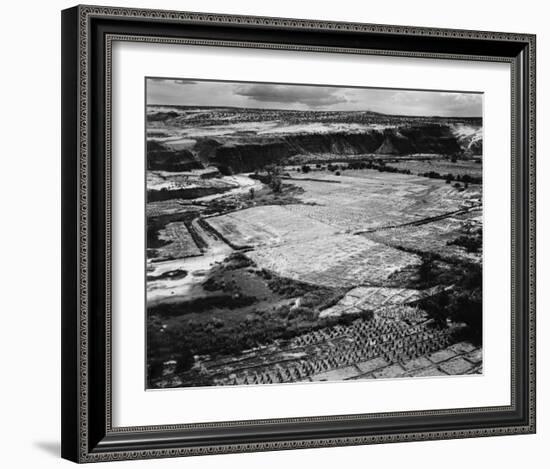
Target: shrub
470, 243
426, 270
461, 303
466, 307
226, 170
436, 306
184, 358
273, 178
432, 175
357, 165
302, 312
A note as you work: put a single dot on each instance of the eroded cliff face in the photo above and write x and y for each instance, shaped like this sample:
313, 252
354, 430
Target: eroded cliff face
254, 153
163, 158
232, 149
428, 139
469, 137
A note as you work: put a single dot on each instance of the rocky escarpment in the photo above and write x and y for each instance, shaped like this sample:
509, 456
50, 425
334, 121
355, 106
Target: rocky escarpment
432, 139
470, 138
475, 147
254, 153
241, 153
162, 158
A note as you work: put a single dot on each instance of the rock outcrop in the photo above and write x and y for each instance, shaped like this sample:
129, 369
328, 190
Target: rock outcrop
162, 158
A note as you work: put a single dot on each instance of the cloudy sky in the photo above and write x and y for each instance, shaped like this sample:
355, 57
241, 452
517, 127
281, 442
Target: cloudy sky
303, 97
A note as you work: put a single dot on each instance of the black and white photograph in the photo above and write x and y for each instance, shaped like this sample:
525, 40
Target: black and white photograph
284, 231
306, 233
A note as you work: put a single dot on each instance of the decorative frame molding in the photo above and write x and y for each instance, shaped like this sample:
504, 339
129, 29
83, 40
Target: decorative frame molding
88, 35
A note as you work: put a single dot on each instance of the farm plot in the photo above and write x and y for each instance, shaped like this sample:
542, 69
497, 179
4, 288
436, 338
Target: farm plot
171, 207
372, 349
363, 299
180, 242
267, 225
335, 261
302, 248
433, 237
368, 200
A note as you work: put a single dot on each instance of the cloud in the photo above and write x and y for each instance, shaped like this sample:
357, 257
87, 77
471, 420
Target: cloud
405, 97
312, 96
463, 103
309, 97
185, 82
173, 81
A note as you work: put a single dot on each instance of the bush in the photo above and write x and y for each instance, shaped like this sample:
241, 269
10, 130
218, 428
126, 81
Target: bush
184, 358
466, 307
437, 308
426, 270
462, 303
306, 169
273, 178
470, 243
302, 312
358, 165
432, 175
225, 170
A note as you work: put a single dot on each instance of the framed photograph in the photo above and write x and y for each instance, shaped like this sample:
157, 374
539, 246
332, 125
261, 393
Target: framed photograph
283, 233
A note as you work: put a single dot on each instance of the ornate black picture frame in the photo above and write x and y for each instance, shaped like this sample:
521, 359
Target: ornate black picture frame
88, 33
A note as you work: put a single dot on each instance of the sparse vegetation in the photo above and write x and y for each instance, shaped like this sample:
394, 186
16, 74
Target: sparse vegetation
468, 242
211, 328
274, 178
461, 301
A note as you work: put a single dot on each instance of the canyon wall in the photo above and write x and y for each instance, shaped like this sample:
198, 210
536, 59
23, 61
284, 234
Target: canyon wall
241, 153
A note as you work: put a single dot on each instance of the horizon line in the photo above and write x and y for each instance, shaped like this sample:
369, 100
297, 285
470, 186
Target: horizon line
315, 110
